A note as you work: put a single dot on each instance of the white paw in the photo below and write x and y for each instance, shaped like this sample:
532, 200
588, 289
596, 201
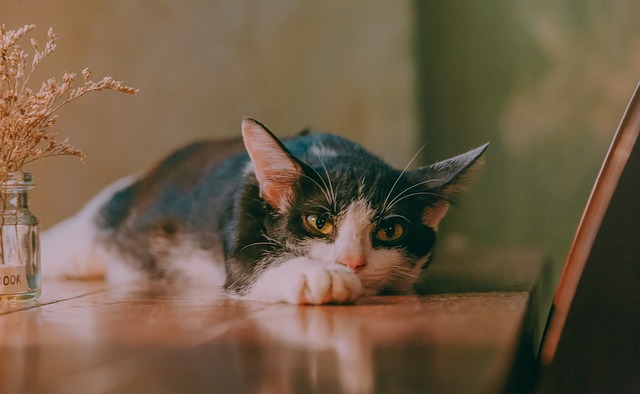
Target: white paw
304, 281
325, 285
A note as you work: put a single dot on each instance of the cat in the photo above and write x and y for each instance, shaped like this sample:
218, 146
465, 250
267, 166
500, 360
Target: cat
313, 219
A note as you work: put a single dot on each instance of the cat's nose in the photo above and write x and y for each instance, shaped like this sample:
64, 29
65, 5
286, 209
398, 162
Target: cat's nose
355, 263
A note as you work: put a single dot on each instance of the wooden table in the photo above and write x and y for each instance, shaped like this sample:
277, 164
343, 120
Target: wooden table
90, 337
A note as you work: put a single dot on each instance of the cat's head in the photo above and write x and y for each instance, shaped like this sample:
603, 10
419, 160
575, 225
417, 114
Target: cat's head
331, 200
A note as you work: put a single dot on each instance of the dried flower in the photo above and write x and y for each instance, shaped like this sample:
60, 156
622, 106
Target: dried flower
26, 115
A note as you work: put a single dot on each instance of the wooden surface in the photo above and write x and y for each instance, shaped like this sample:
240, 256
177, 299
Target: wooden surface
89, 337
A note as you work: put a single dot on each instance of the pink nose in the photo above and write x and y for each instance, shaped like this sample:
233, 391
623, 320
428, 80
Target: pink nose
354, 263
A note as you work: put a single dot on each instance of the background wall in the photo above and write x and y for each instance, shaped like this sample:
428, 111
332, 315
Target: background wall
201, 66
546, 82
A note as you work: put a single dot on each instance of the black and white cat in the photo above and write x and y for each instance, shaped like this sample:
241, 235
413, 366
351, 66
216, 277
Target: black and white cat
313, 219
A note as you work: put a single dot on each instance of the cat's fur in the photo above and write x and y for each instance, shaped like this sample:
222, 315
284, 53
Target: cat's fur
314, 219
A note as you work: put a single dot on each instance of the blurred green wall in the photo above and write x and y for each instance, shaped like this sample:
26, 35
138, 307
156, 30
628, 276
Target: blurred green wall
546, 82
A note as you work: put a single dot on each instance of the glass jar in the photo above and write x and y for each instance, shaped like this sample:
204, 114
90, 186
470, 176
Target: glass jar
19, 240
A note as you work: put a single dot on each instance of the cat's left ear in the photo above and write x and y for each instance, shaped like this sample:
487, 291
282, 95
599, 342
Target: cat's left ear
276, 169
448, 179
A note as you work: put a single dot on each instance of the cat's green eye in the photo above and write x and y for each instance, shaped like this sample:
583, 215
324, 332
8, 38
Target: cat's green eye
390, 232
319, 223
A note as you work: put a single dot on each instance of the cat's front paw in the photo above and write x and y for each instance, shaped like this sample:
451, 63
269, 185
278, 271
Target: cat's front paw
327, 285
304, 281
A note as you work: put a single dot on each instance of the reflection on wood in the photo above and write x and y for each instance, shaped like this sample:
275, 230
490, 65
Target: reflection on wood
89, 337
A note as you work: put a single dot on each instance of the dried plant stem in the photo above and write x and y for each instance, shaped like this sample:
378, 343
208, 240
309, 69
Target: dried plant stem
27, 116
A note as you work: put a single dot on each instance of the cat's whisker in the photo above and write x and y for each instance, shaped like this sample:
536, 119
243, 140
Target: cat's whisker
416, 194
399, 195
384, 204
269, 241
328, 193
331, 191
322, 189
404, 272
319, 207
397, 216
258, 244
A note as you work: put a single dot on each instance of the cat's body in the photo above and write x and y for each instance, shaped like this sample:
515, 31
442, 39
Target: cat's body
315, 220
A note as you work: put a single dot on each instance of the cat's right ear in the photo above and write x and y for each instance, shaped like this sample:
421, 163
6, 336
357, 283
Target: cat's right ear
276, 170
447, 179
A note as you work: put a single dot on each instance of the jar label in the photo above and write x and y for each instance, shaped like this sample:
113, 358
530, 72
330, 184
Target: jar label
13, 279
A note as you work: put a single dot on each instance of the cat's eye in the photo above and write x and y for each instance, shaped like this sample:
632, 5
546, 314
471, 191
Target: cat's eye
390, 232
319, 223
